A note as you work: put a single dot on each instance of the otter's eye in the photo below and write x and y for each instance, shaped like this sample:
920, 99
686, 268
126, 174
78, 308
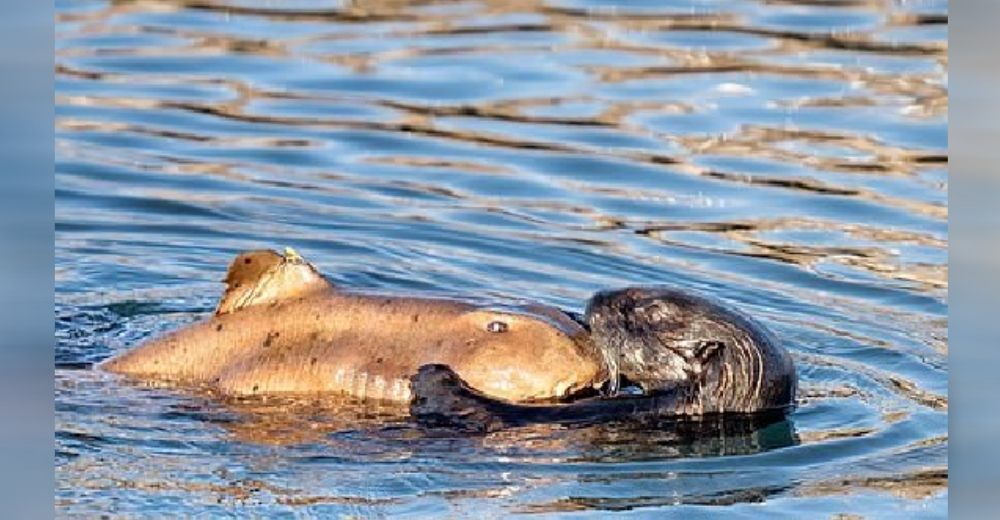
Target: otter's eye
654, 312
496, 326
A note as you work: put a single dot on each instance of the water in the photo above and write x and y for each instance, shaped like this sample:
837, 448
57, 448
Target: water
787, 157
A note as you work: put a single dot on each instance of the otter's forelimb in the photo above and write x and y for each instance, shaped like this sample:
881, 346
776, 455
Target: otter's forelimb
440, 398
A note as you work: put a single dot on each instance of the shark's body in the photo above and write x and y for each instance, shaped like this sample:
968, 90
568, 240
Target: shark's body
282, 328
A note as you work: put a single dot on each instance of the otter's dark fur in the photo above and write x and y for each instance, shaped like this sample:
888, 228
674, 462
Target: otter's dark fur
692, 357
715, 358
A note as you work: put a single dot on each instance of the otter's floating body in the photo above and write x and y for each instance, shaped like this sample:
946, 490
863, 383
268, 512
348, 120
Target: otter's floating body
282, 328
693, 358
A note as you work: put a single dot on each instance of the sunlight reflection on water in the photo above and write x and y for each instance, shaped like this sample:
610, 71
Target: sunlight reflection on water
787, 157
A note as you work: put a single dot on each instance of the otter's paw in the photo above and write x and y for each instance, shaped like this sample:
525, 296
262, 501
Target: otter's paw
441, 399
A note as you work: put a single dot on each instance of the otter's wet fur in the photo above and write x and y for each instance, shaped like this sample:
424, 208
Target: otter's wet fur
281, 328
692, 356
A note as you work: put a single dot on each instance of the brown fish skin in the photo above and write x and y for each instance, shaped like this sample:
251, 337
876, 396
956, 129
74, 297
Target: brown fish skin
368, 346
263, 276
326, 340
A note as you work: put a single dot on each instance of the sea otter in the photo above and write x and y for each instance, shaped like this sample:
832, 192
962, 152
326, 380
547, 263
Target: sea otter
281, 327
689, 357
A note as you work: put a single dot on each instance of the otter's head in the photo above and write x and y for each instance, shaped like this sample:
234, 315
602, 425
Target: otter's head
525, 354
663, 339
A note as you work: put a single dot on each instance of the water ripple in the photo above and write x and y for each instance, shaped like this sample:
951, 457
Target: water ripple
787, 156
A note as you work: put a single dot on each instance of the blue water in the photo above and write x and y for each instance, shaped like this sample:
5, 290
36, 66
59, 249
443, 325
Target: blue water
788, 158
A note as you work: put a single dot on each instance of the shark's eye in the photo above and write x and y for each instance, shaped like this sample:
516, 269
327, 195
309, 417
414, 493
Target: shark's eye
496, 327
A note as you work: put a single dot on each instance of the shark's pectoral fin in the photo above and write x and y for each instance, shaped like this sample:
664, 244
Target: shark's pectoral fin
264, 276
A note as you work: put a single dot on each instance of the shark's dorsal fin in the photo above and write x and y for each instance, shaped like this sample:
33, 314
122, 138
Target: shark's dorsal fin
264, 276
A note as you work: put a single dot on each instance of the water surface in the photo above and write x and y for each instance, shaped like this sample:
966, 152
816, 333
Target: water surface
789, 158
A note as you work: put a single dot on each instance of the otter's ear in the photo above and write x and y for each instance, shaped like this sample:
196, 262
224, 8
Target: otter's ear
708, 349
